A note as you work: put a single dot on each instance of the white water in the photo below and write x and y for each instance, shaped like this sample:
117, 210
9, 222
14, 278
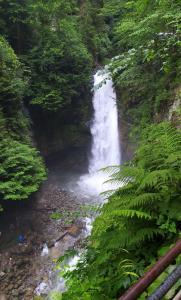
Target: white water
105, 135
45, 250
105, 152
104, 129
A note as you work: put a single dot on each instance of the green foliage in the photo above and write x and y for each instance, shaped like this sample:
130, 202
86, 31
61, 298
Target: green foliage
22, 169
58, 41
141, 216
12, 86
146, 68
13, 23
69, 217
55, 296
94, 30
58, 44
56, 216
60, 64
37, 298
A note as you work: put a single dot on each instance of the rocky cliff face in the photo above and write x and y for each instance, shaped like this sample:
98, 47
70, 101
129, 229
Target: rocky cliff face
54, 137
171, 112
127, 146
174, 111
63, 129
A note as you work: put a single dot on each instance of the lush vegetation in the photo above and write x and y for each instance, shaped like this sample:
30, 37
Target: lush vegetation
22, 169
140, 218
60, 62
146, 66
57, 40
47, 53
48, 50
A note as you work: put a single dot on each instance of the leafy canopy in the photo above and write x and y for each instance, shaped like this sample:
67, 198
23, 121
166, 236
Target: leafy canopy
22, 169
146, 63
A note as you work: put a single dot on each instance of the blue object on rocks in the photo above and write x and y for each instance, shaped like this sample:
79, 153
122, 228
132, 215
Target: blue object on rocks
21, 238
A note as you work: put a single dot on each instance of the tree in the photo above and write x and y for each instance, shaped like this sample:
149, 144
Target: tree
146, 45
22, 169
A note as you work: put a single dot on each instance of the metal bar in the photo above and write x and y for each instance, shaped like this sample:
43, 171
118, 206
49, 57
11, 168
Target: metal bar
178, 296
138, 288
167, 284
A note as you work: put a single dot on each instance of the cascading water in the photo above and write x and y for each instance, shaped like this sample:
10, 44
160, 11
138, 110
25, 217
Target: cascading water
105, 147
105, 134
105, 152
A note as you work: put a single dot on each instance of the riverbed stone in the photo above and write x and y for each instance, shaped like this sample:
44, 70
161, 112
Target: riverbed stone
2, 274
10, 287
55, 252
74, 230
3, 297
15, 293
24, 263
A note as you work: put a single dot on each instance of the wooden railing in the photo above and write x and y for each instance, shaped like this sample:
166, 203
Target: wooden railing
138, 288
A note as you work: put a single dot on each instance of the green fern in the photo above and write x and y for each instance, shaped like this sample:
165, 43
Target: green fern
145, 200
130, 213
139, 216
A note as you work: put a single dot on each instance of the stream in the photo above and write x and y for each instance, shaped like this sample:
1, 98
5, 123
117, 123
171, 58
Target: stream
56, 218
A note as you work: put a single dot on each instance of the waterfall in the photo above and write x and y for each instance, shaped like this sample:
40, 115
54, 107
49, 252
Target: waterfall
105, 149
105, 152
105, 145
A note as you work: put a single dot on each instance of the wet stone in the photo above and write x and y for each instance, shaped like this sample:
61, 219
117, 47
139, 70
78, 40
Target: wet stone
10, 287
74, 230
22, 265
2, 274
3, 297
15, 293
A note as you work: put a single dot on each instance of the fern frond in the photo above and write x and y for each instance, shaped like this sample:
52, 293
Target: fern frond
157, 178
119, 202
130, 213
174, 159
118, 181
145, 234
144, 199
110, 169
108, 193
129, 172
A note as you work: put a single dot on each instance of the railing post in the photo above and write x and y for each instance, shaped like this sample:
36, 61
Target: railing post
138, 288
166, 285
